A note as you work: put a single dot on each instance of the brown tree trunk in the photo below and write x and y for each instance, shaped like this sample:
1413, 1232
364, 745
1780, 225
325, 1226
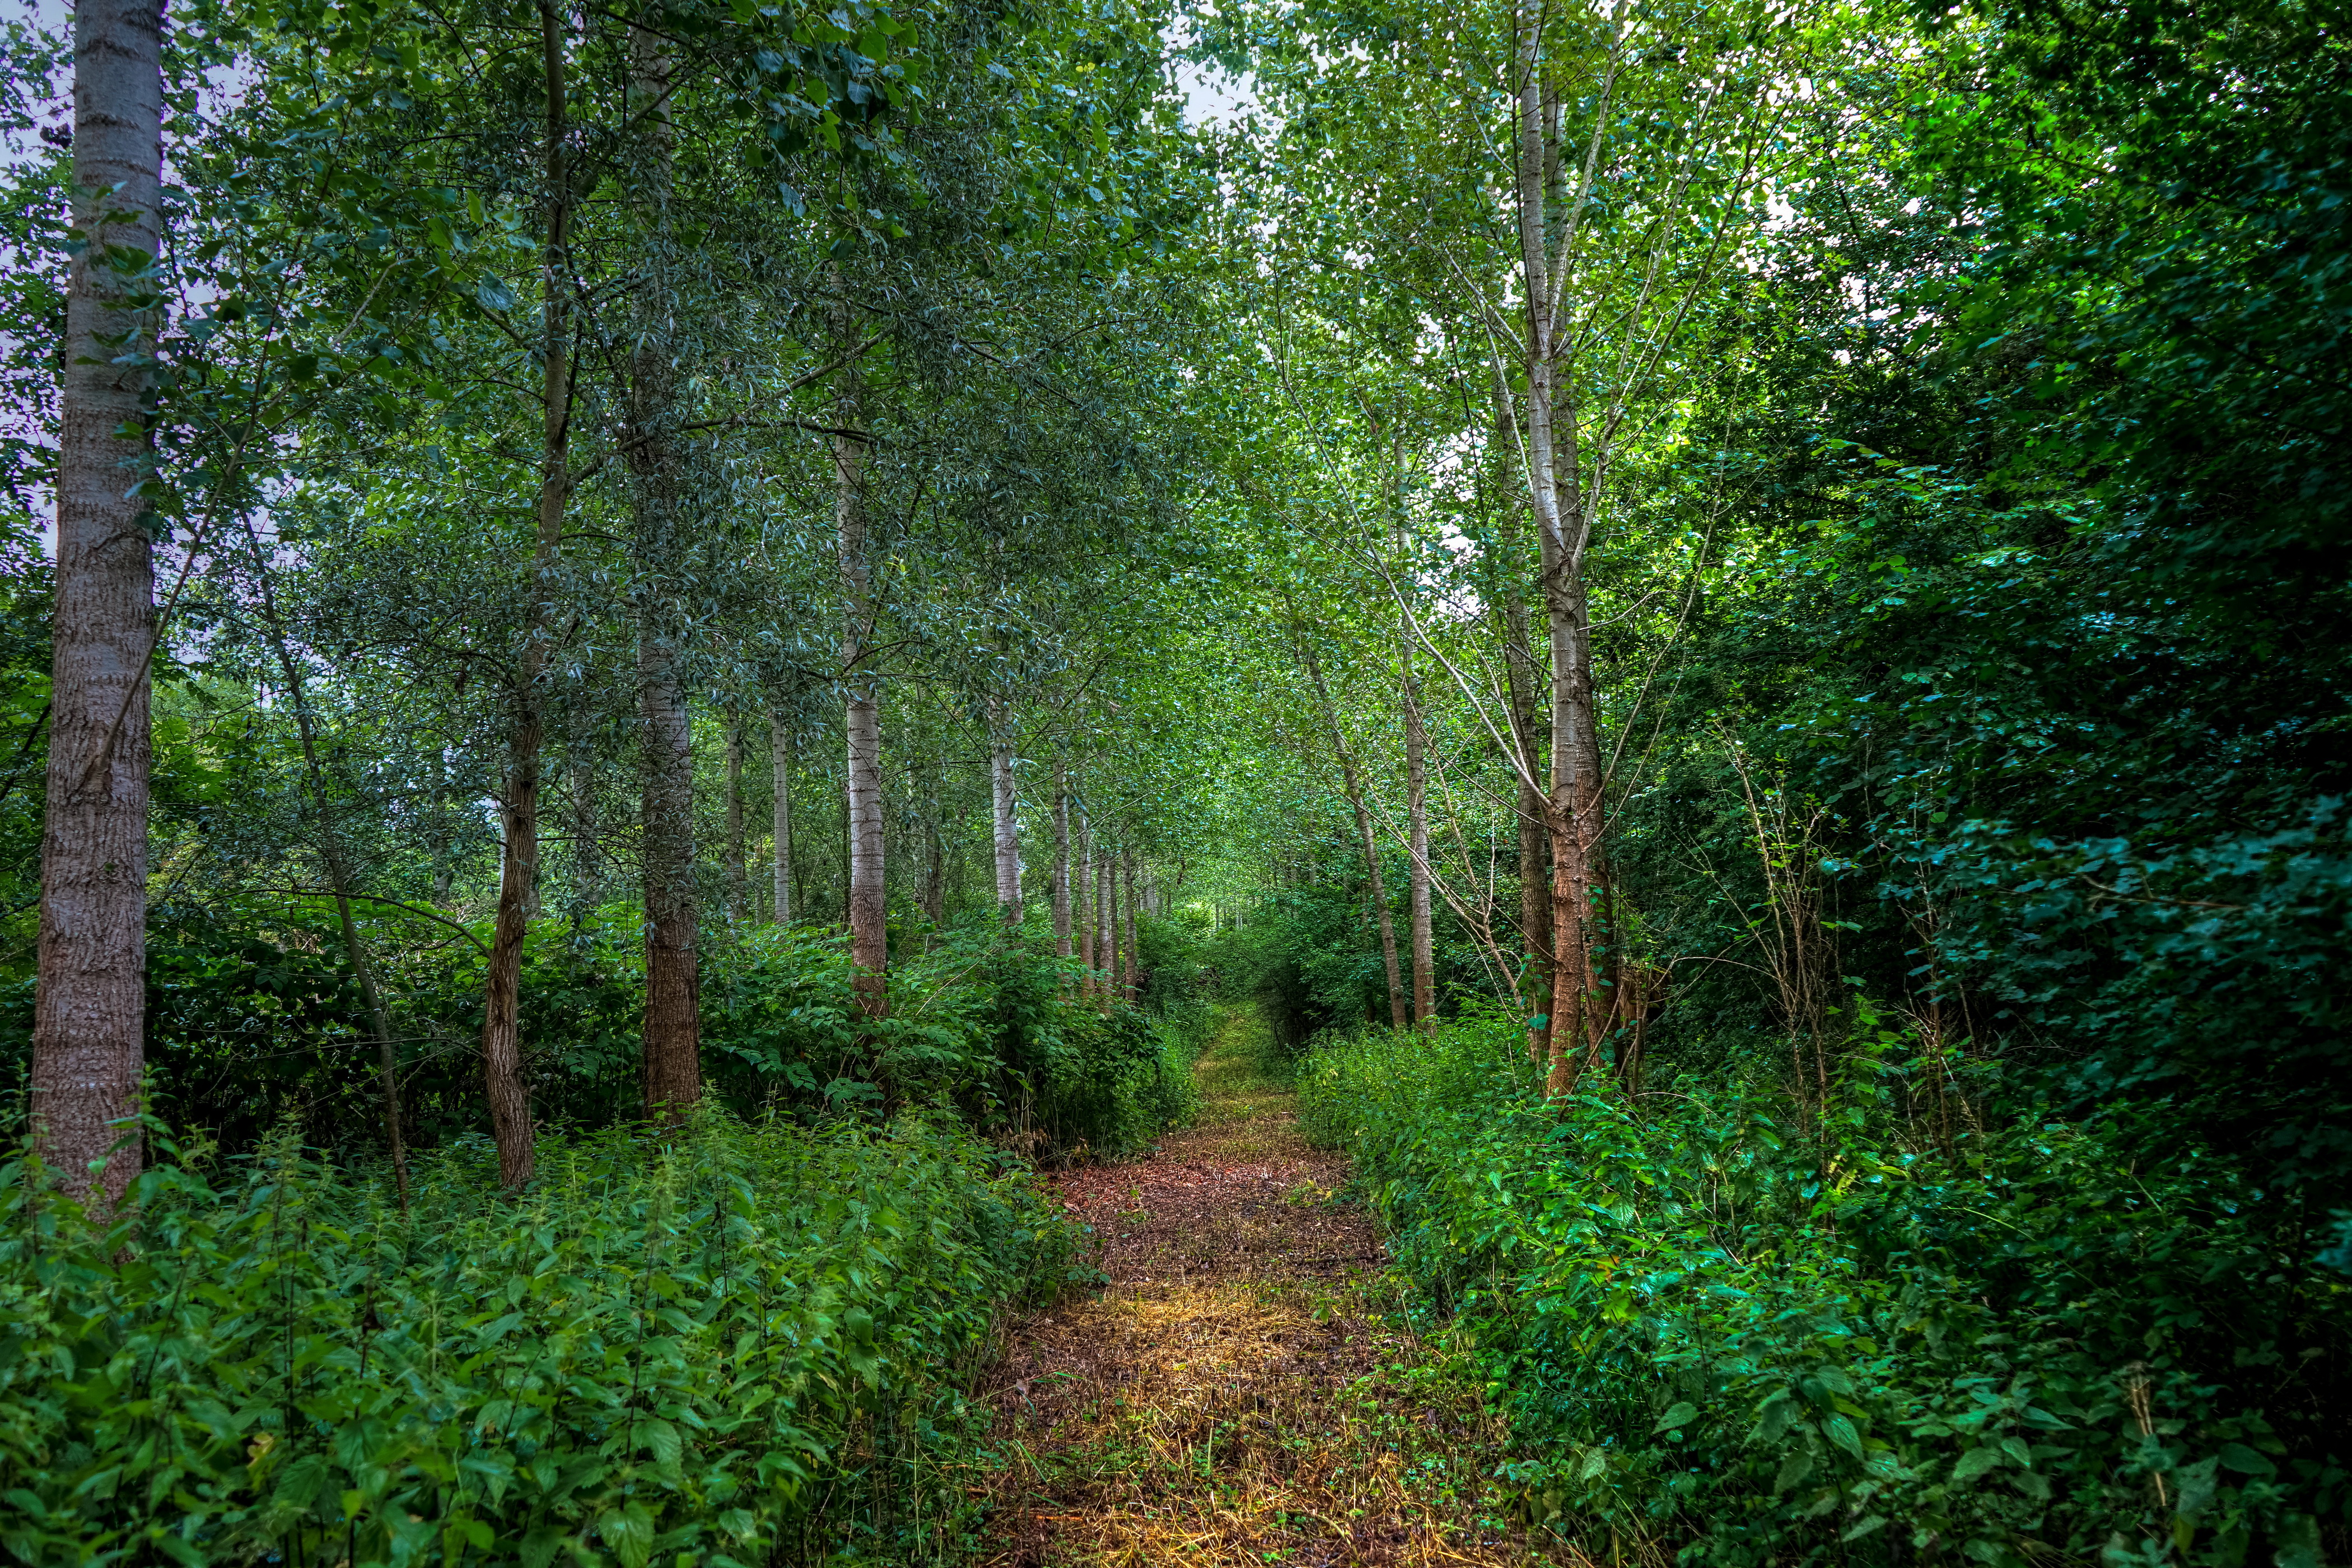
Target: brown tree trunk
1061, 863
1399, 1015
1534, 895
89, 1002
739, 881
780, 760
1004, 812
673, 1021
503, 1088
868, 911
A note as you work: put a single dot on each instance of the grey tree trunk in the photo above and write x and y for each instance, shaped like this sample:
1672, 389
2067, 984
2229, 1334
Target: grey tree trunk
1106, 926
90, 1000
868, 897
503, 1087
1061, 863
673, 1021
1416, 793
1083, 911
1005, 811
739, 882
1130, 976
779, 759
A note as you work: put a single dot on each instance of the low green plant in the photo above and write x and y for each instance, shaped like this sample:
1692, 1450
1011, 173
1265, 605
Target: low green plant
1730, 1325
672, 1348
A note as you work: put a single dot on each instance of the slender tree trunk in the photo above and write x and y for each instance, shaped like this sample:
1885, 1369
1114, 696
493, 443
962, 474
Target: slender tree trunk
1571, 810
1061, 862
587, 879
739, 883
779, 759
339, 881
1399, 1015
90, 1001
673, 1022
1106, 926
509, 1097
1534, 895
1416, 791
869, 908
1084, 912
1132, 978
1007, 811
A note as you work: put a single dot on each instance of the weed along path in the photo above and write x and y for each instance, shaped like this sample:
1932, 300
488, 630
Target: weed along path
1236, 1393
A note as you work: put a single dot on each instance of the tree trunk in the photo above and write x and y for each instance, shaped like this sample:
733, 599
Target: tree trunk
673, 1024
339, 879
1086, 902
1061, 863
1399, 1016
503, 1088
1132, 978
1416, 793
779, 759
89, 1004
1571, 810
1535, 897
1106, 926
868, 897
1006, 811
739, 881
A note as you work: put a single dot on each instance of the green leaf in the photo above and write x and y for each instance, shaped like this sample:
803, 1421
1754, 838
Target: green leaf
1976, 1462
1793, 1471
1839, 1429
1682, 1413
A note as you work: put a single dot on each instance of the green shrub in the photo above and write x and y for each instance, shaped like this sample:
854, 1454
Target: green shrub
1766, 1336
669, 1348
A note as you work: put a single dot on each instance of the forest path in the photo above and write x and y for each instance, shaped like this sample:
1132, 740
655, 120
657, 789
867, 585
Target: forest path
1239, 1392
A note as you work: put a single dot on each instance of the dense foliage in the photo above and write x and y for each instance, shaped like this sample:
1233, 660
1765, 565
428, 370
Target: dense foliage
661, 1352
1894, 1332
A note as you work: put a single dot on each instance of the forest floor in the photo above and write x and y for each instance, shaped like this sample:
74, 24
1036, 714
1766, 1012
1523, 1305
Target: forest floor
1242, 1390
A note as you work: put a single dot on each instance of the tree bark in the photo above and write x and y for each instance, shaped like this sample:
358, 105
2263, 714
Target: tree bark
1571, 809
89, 1001
869, 899
1005, 811
780, 760
1416, 793
503, 1088
1083, 912
1130, 979
673, 1022
1106, 926
1061, 863
1399, 1015
739, 882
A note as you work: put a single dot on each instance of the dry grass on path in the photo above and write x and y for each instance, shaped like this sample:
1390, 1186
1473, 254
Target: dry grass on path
1238, 1393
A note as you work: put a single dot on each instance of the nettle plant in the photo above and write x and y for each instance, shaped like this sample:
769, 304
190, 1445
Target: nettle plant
1728, 1323
670, 1348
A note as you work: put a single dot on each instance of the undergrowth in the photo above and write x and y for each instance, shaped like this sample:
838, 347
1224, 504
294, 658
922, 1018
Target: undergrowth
743, 1344
1738, 1331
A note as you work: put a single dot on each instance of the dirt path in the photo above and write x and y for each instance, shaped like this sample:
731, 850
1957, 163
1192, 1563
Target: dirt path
1238, 1393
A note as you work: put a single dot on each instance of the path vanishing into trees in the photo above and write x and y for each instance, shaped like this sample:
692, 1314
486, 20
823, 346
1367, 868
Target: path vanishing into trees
1243, 1389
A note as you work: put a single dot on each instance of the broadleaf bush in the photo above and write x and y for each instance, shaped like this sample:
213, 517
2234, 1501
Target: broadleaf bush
1726, 1323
